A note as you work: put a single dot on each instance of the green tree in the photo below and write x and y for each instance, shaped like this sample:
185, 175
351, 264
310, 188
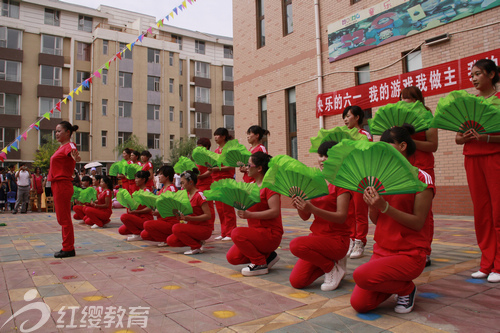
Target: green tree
45, 152
157, 162
132, 142
182, 148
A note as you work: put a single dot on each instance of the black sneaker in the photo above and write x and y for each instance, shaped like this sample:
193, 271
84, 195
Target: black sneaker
272, 259
64, 254
253, 270
406, 303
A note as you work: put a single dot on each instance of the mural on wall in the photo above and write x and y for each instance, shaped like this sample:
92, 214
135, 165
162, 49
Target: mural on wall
391, 20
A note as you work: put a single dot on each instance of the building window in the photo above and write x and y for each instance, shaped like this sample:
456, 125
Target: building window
80, 77
178, 40
172, 141
50, 76
228, 97
181, 96
124, 109
261, 31
127, 54
153, 141
51, 17
363, 74
263, 112
413, 61
85, 23
9, 104
45, 135
83, 51
292, 123
227, 73
228, 52
229, 122
125, 80
202, 69
153, 83
153, 56
123, 136
10, 38
181, 119
153, 112
171, 58
10, 70
199, 46
202, 120
104, 138
202, 95
82, 141
105, 46
104, 76
47, 104
52, 45
10, 8
171, 113
104, 105
7, 135
82, 111
181, 64
171, 85
287, 17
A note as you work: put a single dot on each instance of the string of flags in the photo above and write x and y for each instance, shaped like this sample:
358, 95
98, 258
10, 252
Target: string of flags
86, 83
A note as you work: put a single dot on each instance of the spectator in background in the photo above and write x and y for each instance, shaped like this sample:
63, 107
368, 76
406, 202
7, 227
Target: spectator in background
23, 189
37, 187
11, 182
3, 187
47, 185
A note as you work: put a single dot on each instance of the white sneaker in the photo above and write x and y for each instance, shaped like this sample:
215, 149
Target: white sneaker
406, 303
162, 244
218, 238
202, 248
253, 270
479, 275
95, 226
343, 266
351, 245
357, 250
494, 277
332, 279
134, 238
193, 251
227, 238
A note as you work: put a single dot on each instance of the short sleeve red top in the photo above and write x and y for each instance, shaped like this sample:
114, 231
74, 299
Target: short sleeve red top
197, 201
218, 175
170, 188
62, 164
204, 183
328, 202
393, 236
368, 135
101, 199
262, 148
146, 167
145, 216
274, 224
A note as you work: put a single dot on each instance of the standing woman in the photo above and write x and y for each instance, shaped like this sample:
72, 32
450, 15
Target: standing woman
62, 164
126, 156
205, 178
148, 166
135, 157
482, 165
227, 215
353, 118
37, 187
255, 137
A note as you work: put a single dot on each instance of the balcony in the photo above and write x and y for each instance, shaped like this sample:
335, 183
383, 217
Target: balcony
50, 60
49, 91
202, 82
203, 107
203, 132
228, 85
11, 54
10, 87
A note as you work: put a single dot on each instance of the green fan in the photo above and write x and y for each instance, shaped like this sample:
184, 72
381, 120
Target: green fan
239, 195
398, 114
355, 165
234, 154
290, 177
203, 156
88, 195
336, 134
173, 203
131, 170
184, 164
117, 167
126, 200
76, 193
460, 111
145, 198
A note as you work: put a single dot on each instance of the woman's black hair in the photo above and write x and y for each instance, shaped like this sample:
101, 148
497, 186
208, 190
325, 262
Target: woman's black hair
136, 153
222, 131
168, 172
257, 130
191, 175
325, 146
108, 182
127, 151
401, 134
205, 142
38, 169
488, 66
356, 111
142, 174
68, 127
261, 159
98, 177
146, 153
86, 179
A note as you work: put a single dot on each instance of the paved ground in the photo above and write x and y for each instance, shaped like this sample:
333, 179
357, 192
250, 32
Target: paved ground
111, 284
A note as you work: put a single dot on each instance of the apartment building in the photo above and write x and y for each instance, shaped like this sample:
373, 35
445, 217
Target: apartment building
175, 84
289, 54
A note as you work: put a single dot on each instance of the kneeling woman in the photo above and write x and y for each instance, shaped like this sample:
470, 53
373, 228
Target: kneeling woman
402, 238
133, 220
198, 227
324, 250
99, 212
256, 244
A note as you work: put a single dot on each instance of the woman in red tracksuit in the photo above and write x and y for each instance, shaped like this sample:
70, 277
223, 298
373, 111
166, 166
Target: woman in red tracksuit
205, 179
353, 118
482, 165
135, 157
227, 215
158, 230
98, 213
255, 136
198, 228
62, 164
256, 244
402, 238
147, 166
126, 156
323, 252
133, 220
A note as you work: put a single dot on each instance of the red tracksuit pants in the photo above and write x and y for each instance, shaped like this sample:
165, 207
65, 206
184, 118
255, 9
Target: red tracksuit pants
483, 176
252, 245
359, 229
79, 212
189, 235
133, 223
62, 191
210, 205
317, 255
158, 230
227, 218
97, 216
385, 274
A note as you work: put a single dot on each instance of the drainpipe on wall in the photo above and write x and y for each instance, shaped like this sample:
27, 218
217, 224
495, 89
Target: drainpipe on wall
188, 96
318, 56
91, 134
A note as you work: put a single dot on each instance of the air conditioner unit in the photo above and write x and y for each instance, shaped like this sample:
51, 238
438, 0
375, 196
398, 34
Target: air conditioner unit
437, 39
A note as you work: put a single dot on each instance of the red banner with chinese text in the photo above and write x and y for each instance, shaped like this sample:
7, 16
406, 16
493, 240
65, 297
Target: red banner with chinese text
439, 79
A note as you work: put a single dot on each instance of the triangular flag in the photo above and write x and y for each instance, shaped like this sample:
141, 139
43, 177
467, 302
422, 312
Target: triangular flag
97, 74
37, 124
119, 55
175, 11
14, 146
107, 65
64, 101
190, 2
51, 111
90, 80
181, 7
47, 116
80, 89
85, 83
8, 149
132, 45
18, 138
3, 156
25, 135
140, 38
100, 71
58, 106
69, 96
150, 30
167, 17
129, 47
32, 125
184, 4
172, 14
4, 150
76, 91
